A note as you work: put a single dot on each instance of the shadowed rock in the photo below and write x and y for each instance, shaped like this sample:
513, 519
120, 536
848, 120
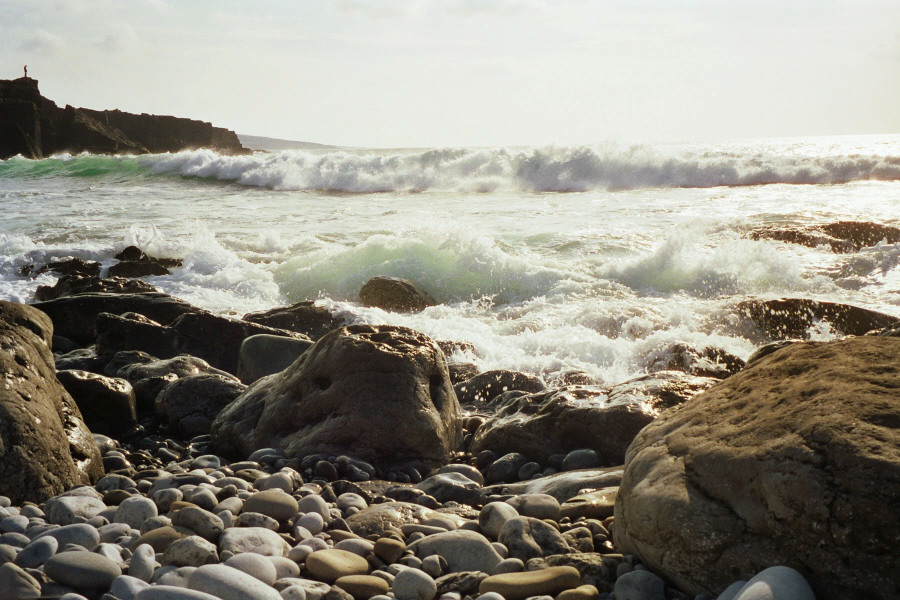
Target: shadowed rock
793, 461
303, 317
841, 236
381, 394
78, 283
45, 447
107, 404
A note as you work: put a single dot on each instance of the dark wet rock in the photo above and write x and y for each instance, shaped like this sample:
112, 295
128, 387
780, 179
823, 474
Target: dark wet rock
68, 266
394, 294
793, 317
79, 283
576, 417
794, 461
81, 359
264, 354
703, 362
574, 378
505, 468
133, 331
452, 348
107, 404
218, 340
215, 339
191, 403
61, 345
376, 393
45, 447
841, 236
486, 386
460, 372
562, 486
768, 349
75, 316
149, 378
303, 317
890, 331
126, 358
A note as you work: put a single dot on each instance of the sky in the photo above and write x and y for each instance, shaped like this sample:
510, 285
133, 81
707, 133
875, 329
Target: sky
439, 73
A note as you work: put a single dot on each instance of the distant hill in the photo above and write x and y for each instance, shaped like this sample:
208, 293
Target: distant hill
256, 142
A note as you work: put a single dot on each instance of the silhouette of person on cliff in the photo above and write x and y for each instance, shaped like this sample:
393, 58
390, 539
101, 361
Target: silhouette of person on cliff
26, 71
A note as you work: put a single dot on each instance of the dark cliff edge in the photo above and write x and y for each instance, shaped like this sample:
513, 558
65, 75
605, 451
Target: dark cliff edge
35, 127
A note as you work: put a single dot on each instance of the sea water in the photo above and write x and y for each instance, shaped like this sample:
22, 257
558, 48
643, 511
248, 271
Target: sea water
546, 260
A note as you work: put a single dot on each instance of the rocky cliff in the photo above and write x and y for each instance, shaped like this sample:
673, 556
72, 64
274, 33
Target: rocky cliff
34, 126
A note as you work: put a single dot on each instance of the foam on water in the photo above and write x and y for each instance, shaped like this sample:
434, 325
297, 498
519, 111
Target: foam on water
557, 169
590, 280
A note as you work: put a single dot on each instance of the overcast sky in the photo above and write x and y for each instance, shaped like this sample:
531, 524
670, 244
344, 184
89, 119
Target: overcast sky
389, 73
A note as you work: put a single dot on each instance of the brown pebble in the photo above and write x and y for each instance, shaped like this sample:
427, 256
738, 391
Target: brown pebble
521, 585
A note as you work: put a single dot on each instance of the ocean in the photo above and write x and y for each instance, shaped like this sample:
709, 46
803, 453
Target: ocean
547, 260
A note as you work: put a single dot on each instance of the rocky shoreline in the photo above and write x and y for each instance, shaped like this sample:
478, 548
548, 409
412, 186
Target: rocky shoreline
151, 450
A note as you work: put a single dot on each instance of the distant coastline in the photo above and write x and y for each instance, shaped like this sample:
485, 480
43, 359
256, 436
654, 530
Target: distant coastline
258, 142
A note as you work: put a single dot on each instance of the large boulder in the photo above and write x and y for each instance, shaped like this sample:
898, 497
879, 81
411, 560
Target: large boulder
704, 361
560, 420
45, 447
486, 386
305, 317
394, 294
381, 394
786, 318
150, 377
794, 461
75, 316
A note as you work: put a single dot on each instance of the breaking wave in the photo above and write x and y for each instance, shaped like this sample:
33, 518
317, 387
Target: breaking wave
551, 169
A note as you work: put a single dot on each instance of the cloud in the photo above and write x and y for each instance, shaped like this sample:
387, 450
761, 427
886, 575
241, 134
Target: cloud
122, 37
43, 42
506, 8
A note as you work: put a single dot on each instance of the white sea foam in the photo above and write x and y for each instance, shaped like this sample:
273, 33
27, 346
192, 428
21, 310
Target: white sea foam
556, 169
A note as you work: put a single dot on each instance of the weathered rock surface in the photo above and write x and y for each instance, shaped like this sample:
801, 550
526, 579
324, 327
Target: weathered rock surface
303, 317
841, 236
45, 447
78, 283
394, 294
190, 404
133, 262
486, 386
377, 393
575, 417
793, 461
149, 378
107, 404
75, 317
792, 317
34, 126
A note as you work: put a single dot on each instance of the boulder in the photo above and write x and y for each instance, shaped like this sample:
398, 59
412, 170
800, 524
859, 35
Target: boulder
575, 417
304, 317
703, 362
381, 394
190, 404
382, 518
70, 266
486, 386
133, 332
75, 316
107, 404
794, 461
265, 354
45, 447
841, 236
786, 318
394, 294
79, 283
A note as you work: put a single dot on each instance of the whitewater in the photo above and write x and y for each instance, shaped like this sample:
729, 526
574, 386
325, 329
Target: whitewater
546, 260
